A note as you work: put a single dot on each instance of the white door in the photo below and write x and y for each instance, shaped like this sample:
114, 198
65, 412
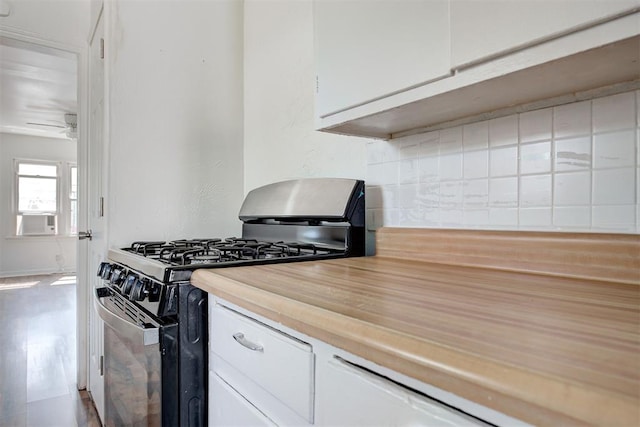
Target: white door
96, 220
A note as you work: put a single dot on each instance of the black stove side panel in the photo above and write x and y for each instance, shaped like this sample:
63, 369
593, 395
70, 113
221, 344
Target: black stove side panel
356, 213
169, 353
193, 357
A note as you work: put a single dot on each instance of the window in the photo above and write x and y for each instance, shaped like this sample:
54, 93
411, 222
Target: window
37, 188
46, 198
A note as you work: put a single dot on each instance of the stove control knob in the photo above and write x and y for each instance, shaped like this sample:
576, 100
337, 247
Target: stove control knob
101, 268
117, 276
139, 290
105, 271
153, 292
128, 283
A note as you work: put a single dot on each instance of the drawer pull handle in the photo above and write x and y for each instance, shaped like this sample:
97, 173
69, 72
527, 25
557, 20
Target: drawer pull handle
239, 337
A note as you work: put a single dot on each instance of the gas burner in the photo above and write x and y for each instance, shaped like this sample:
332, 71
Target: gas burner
205, 259
239, 241
275, 251
179, 255
299, 249
194, 242
146, 248
237, 252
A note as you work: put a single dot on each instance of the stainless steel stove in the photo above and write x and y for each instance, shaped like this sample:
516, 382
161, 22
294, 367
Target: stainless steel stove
147, 285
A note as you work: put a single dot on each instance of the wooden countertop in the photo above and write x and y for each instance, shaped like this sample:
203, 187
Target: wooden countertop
544, 348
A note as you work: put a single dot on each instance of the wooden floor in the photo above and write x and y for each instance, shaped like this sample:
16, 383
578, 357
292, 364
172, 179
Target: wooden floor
38, 354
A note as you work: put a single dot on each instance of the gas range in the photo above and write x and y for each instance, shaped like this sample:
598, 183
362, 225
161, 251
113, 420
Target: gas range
146, 287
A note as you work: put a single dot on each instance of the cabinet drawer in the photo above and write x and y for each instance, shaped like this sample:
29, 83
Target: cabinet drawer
276, 362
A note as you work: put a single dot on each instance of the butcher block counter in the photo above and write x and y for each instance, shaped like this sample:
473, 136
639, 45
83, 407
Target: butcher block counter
543, 327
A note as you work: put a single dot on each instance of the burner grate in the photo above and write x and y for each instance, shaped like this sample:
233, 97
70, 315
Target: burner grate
185, 252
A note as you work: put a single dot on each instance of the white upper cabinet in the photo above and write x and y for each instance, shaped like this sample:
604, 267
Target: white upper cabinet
371, 49
482, 29
390, 68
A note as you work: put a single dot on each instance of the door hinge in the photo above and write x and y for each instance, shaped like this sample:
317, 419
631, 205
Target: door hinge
101, 213
101, 366
101, 48
317, 85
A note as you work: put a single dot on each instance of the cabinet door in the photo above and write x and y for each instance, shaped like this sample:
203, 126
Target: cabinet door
366, 50
350, 395
481, 28
228, 408
277, 363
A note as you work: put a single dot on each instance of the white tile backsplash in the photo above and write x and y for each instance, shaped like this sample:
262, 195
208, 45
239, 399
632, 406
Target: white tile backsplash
535, 158
503, 192
535, 190
614, 187
409, 151
572, 120
451, 194
572, 216
408, 173
451, 166
451, 140
572, 189
503, 161
573, 154
375, 174
428, 169
476, 164
407, 195
476, 193
429, 195
475, 136
503, 131
390, 172
614, 218
536, 125
574, 167
390, 195
534, 217
503, 217
615, 149
615, 112
475, 217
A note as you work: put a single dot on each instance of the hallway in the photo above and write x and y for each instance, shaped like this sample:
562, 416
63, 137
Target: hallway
38, 354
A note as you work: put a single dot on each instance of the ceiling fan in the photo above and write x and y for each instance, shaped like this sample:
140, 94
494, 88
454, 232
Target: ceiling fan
70, 128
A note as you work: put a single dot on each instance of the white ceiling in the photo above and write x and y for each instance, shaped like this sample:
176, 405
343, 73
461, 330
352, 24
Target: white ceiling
38, 86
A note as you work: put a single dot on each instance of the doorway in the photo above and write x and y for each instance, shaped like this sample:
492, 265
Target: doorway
43, 120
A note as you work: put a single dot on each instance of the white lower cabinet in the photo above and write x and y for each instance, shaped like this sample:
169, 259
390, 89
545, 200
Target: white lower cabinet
231, 408
352, 396
271, 370
263, 374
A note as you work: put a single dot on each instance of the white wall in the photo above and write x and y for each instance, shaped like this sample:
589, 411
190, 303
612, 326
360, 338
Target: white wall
59, 21
175, 106
31, 255
572, 168
279, 140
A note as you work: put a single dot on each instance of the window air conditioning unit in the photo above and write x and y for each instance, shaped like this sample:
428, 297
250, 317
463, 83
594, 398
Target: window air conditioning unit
36, 225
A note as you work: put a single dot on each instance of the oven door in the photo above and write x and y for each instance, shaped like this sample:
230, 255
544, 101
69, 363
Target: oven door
136, 391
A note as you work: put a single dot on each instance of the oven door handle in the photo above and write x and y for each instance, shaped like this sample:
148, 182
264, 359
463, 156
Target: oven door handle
136, 333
